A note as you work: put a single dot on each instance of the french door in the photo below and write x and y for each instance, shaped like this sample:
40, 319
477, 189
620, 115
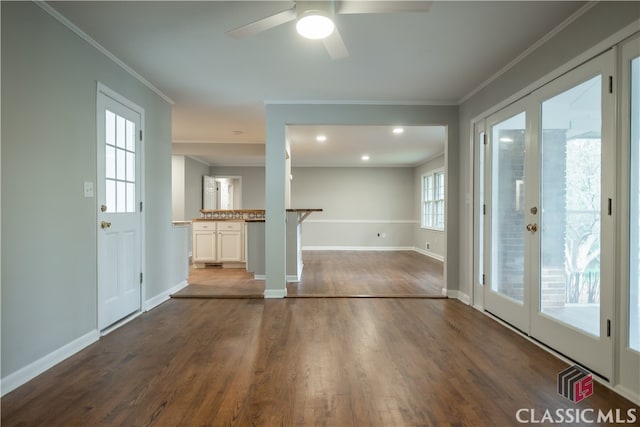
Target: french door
119, 220
629, 298
549, 224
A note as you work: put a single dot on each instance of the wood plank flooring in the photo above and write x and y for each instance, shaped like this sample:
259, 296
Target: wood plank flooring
332, 274
301, 362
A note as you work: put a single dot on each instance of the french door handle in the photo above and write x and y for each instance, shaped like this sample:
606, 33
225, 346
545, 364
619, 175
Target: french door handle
105, 224
532, 227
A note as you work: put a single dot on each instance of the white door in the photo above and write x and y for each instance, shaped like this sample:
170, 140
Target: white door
209, 193
550, 224
507, 255
573, 286
629, 298
119, 219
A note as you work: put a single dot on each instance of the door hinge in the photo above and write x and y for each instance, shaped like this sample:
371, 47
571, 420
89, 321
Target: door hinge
483, 278
610, 207
484, 138
484, 209
610, 84
141, 277
140, 206
608, 327
140, 134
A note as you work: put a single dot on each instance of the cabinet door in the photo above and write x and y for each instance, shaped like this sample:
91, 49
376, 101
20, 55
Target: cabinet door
204, 245
230, 245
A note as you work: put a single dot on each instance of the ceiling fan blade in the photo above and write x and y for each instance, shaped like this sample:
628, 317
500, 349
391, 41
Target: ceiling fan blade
375, 6
263, 24
335, 45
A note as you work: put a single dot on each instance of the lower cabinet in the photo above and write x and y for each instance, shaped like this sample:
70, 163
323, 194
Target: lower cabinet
218, 242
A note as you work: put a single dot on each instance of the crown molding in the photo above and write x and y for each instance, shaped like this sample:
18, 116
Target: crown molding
86, 37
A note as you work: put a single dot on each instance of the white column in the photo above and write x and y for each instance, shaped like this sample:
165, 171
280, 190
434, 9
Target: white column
275, 204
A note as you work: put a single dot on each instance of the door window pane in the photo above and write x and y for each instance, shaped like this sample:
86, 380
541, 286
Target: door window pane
507, 195
634, 261
120, 164
570, 202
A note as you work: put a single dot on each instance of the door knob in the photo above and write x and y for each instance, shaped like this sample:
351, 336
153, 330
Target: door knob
105, 224
532, 227
103, 208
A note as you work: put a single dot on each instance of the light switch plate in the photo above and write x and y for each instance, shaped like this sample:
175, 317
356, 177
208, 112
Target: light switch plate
88, 189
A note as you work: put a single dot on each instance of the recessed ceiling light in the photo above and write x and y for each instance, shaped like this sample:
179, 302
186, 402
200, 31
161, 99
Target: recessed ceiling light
398, 130
365, 157
321, 138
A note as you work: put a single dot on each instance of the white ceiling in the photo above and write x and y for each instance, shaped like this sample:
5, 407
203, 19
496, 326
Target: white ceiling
220, 85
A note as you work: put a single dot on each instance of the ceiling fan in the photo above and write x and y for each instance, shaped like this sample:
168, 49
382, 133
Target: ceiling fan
315, 19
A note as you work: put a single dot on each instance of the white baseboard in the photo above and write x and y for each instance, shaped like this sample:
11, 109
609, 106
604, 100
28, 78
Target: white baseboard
452, 293
32, 370
275, 293
357, 248
375, 248
430, 254
259, 277
153, 302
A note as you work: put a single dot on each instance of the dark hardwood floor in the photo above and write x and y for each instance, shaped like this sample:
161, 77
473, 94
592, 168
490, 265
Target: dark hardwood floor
332, 274
305, 362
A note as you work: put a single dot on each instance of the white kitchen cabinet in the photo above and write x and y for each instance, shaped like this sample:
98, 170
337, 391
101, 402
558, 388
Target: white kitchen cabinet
230, 242
218, 242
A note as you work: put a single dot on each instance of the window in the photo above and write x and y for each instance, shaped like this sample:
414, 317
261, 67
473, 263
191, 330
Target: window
433, 200
120, 167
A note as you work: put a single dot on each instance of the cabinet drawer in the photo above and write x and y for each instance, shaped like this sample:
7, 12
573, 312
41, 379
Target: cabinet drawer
204, 225
229, 225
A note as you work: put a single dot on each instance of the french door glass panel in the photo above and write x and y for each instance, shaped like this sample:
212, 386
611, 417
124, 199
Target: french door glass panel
634, 226
507, 199
570, 206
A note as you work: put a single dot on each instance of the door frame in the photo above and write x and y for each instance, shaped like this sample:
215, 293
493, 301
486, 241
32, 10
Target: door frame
103, 90
626, 359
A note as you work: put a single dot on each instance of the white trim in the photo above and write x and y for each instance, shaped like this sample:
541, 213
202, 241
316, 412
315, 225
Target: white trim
564, 24
585, 56
84, 36
358, 248
32, 370
275, 293
363, 221
359, 102
259, 277
163, 296
430, 254
215, 141
195, 159
461, 296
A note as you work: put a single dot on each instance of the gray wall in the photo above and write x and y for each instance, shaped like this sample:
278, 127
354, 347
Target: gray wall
49, 267
358, 203
252, 183
598, 23
193, 173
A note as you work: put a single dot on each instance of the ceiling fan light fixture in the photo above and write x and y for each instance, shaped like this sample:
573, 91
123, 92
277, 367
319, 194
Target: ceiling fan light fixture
315, 25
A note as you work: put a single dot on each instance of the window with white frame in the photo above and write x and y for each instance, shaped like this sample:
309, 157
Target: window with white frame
433, 200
